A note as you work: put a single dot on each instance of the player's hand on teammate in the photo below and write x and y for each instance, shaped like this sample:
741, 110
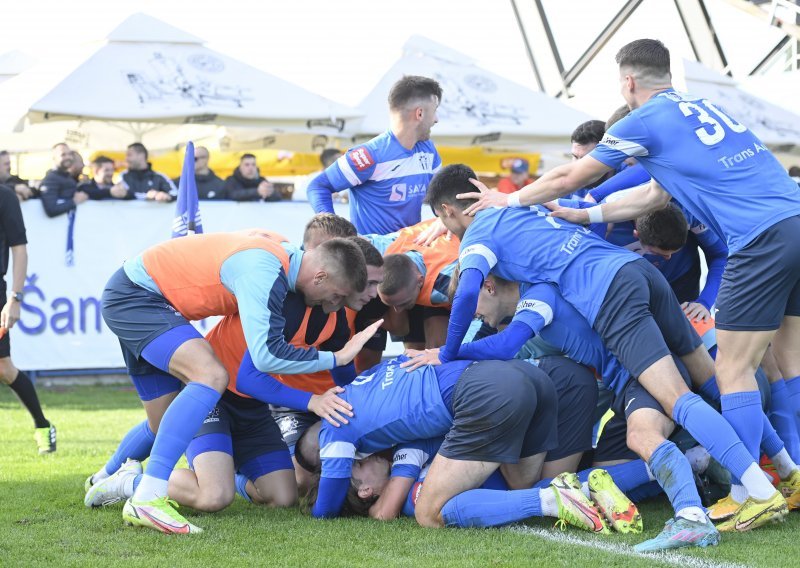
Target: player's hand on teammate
696, 311
330, 407
485, 196
577, 216
420, 358
353, 347
426, 237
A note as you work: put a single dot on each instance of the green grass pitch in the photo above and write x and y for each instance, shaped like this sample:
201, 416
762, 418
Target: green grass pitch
43, 521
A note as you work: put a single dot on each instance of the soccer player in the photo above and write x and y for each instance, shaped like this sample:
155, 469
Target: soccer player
539, 309
495, 414
416, 280
624, 298
388, 176
12, 236
725, 176
149, 302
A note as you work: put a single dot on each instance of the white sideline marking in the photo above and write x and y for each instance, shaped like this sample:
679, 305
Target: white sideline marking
673, 558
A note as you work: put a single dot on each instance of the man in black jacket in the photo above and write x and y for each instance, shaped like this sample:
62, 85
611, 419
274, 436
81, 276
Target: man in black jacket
19, 185
246, 184
209, 184
59, 190
102, 185
12, 236
141, 181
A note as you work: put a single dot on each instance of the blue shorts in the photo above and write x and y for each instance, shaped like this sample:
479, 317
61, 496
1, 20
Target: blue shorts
576, 389
641, 321
503, 411
761, 282
138, 317
634, 396
244, 429
292, 423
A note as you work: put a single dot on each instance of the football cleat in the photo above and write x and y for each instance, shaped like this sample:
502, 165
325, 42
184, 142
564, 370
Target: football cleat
574, 507
755, 513
45, 439
790, 489
620, 512
681, 533
112, 489
723, 509
159, 514
88, 484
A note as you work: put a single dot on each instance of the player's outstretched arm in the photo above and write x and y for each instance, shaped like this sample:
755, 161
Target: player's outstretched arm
635, 203
554, 184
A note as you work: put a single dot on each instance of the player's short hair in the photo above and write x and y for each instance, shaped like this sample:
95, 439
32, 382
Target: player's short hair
247, 157
794, 171
328, 156
617, 115
449, 182
648, 59
412, 88
589, 132
344, 260
330, 225
139, 148
398, 274
372, 256
666, 228
101, 160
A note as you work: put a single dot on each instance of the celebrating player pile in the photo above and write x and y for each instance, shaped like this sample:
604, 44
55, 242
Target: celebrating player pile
490, 428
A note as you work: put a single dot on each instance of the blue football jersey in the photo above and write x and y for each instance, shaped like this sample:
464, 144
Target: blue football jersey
527, 245
391, 406
556, 321
713, 165
387, 182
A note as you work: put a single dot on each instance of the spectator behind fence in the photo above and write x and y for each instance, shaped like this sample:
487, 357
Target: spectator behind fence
519, 178
209, 184
59, 190
19, 185
101, 185
246, 184
141, 181
76, 169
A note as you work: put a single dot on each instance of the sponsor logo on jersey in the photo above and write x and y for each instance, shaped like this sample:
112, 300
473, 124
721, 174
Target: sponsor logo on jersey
361, 158
399, 457
402, 191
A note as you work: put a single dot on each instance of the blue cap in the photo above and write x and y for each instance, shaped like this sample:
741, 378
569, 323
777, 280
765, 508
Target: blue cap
519, 166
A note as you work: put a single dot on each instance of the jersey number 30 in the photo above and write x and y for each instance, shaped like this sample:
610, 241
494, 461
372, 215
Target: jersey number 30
712, 131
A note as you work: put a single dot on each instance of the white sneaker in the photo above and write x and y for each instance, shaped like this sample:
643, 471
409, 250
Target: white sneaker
112, 489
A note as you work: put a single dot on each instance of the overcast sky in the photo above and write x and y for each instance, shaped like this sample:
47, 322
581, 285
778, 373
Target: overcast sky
341, 48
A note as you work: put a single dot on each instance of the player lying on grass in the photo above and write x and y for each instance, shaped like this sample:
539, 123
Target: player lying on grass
149, 302
503, 413
622, 296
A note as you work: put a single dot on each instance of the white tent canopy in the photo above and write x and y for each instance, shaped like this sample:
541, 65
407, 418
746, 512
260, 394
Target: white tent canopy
477, 107
774, 125
149, 73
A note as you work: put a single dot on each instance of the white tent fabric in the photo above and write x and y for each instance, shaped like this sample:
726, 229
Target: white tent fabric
774, 125
478, 107
149, 73
13, 63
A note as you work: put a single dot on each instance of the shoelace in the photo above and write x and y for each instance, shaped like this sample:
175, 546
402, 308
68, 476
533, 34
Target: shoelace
560, 524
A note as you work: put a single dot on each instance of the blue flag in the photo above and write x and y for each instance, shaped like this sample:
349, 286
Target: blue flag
187, 213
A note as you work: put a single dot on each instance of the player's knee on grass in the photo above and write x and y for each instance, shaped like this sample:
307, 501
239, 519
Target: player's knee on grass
427, 513
276, 489
213, 498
